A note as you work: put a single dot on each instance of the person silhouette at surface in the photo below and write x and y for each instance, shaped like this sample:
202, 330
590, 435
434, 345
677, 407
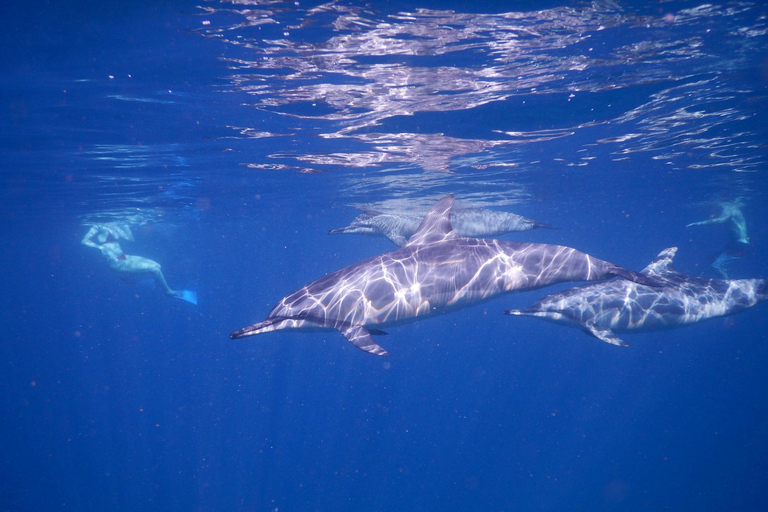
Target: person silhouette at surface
738, 244
104, 237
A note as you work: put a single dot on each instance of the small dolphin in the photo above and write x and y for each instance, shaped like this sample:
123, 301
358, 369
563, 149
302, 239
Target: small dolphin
474, 222
436, 271
620, 305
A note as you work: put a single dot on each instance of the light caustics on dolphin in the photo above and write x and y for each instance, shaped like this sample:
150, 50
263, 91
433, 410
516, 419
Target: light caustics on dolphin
436, 271
474, 222
619, 305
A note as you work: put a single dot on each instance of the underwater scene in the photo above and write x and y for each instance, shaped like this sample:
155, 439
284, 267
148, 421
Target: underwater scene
265, 255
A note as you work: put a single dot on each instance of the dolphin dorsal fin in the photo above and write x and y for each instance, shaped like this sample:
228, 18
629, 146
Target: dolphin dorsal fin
662, 264
436, 225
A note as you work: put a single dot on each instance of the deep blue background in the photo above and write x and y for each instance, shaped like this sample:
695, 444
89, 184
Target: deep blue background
116, 398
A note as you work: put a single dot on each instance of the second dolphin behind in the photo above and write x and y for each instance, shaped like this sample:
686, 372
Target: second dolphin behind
618, 305
474, 222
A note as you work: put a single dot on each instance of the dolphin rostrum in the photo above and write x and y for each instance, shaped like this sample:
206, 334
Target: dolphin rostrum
474, 222
436, 271
621, 305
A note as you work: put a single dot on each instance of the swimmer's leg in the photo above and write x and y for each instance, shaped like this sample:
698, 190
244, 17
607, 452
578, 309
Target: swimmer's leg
160, 278
186, 295
720, 262
140, 265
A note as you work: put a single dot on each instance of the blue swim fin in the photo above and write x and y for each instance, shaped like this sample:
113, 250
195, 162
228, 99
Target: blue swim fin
188, 295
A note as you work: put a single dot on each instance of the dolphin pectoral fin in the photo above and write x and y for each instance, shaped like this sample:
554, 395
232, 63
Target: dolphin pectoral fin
396, 238
604, 334
377, 332
393, 233
360, 337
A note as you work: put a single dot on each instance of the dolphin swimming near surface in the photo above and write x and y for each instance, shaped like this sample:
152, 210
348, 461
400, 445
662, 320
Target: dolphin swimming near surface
621, 305
436, 271
474, 222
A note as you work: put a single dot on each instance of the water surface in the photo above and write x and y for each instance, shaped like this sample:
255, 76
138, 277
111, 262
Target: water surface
232, 136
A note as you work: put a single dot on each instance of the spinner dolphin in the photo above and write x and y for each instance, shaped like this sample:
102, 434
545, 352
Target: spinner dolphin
436, 271
474, 222
601, 309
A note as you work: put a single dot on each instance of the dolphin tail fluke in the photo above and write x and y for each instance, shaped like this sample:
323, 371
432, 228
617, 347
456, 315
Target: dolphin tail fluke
360, 337
604, 334
637, 278
396, 238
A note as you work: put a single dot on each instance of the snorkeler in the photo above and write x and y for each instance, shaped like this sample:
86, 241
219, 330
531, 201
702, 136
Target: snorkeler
738, 245
104, 237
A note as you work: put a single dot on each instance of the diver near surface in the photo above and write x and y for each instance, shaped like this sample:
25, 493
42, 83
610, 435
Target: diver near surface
104, 237
738, 244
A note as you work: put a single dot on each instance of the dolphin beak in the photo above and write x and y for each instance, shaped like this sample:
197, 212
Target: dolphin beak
253, 329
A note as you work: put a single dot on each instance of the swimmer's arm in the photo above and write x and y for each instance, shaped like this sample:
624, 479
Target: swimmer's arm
717, 220
87, 238
126, 233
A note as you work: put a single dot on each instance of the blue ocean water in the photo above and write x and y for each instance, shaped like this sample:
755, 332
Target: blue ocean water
232, 135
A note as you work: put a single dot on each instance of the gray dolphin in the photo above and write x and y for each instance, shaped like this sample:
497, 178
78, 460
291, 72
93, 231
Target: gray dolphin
620, 305
474, 222
436, 271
